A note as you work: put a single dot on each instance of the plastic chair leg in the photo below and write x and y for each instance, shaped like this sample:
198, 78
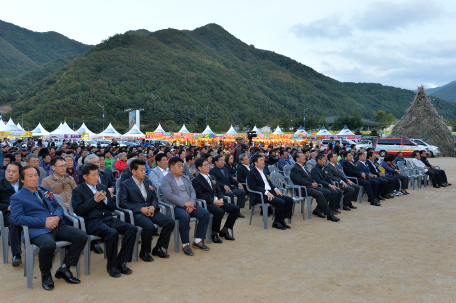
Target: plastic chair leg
29, 268
309, 207
136, 247
265, 217
5, 245
87, 258
209, 230
176, 236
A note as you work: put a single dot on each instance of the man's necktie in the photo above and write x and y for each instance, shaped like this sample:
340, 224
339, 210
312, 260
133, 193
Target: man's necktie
42, 199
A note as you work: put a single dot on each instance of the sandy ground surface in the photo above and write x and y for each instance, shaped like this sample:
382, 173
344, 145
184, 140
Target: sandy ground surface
403, 251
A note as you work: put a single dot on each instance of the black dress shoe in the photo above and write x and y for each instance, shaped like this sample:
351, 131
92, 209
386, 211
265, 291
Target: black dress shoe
346, 208
187, 250
113, 271
436, 186
216, 239
443, 185
241, 215
317, 212
226, 236
160, 253
96, 248
16, 260
155, 233
278, 226
47, 282
380, 198
375, 203
66, 275
285, 224
331, 217
145, 256
201, 246
124, 269
352, 206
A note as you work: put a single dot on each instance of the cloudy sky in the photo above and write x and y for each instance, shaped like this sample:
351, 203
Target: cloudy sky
397, 43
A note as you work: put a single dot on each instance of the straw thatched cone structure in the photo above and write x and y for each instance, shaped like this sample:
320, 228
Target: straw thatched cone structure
422, 120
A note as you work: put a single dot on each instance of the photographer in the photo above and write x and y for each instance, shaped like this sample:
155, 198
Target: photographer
238, 149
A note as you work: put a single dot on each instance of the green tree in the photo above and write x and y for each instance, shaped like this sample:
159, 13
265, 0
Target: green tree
384, 119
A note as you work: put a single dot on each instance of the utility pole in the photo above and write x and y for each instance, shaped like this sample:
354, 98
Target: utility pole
305, 118
103, 116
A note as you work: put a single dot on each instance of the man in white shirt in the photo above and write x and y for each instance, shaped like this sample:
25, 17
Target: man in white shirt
258, 181
157, 174
434, 175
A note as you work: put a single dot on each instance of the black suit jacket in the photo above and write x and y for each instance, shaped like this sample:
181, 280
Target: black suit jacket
93, 212
204, 191
372, 168
125, 175
6, 191
320, 175
335, 173
351, 170
223, 180
256, 183
2, 174
130, 196
241, 173
300, 176
107, 178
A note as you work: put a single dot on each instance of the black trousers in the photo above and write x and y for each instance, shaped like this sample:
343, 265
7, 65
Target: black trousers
283, 206
46, 243
404, 181
356, 189
322, 196
109, 231
147, 224
348, 192
442, 174
381, 185
239, 193
218, 212
14, 234
368, 188
435, 176
336, 195
375, 187
389, 186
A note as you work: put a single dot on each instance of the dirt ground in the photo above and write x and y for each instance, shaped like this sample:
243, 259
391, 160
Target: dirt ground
403, 251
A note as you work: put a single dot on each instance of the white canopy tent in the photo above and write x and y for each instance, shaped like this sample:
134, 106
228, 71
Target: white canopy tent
184, 130
85, 130
345, 132
323, 133
159, 129
256, 131
39, 131
13, 130
57, 128
231, 131
301, 132
109, 132
208, 133
64, 132
278, 131
134, 133
19, 125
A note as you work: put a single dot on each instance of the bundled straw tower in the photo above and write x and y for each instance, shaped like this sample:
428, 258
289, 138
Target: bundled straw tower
422, 120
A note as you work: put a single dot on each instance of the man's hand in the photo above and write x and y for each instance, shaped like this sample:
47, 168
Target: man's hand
270, 196
314, 185
426, 167
240, 186
99, 196
350, 182
52, 222
398, 171
67, 205
371, 175
9, 208
218, 202
145, 211
343, 183
380, 175
193, 172
432, 167
227, 188
111, 190
332, 186
363, 175
152, 210
278, 192
189, 206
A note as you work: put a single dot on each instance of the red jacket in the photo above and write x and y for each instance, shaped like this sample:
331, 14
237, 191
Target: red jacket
120, 165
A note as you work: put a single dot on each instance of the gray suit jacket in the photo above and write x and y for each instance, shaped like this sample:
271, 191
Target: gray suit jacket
170, 190
188, 171
156, 176
335, 173
310, 164
43, 174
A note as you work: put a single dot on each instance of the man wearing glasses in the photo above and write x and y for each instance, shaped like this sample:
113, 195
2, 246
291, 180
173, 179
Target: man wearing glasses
59, 181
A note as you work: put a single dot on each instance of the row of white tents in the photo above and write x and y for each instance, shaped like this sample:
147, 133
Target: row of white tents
64, 131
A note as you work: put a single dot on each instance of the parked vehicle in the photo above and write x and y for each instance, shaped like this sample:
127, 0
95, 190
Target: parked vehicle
433, 150
391, 146
364, 144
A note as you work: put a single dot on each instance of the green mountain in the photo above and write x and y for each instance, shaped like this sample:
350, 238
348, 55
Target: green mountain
22, 49
175, 76
445, 92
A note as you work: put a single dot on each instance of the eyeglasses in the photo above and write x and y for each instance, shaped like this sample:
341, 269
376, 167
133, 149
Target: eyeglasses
62, 166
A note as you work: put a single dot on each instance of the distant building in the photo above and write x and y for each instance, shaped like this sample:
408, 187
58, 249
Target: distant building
367, 124
265, 129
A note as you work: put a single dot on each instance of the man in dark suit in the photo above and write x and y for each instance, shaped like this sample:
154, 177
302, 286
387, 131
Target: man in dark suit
388, 182
138, 195
300, 176
92, 201
283, 160
36, 207
320, 175
352, 170
243, 168
8, 187
335, 173
259, 181
441, 172
227, 183
107, 177
207, 189
380, 192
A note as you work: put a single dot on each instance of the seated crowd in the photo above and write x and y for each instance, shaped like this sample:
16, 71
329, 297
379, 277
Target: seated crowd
192, 182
